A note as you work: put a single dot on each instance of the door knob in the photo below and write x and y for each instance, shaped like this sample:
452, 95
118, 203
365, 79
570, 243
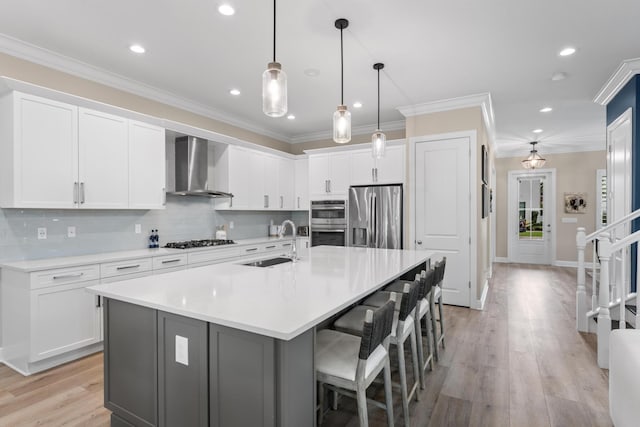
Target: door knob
419, 242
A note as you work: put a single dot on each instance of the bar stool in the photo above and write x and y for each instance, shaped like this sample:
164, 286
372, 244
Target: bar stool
437, 297
403, 329
347, 362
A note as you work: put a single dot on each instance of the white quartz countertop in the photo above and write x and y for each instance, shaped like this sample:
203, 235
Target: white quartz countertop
74, 261
281, 301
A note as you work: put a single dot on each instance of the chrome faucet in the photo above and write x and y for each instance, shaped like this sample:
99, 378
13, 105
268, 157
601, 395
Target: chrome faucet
294, 252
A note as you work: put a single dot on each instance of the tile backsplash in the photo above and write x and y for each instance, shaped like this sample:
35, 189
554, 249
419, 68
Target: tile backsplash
114, 230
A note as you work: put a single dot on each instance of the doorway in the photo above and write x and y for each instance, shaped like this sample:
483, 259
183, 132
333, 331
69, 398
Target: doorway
531, 216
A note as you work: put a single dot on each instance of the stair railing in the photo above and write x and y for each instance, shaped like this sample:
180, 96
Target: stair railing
608, 253
582, 239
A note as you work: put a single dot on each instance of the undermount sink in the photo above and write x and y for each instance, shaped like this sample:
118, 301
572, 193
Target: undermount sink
268, 262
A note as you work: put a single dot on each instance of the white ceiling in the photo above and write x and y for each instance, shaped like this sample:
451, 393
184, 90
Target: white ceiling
432, 50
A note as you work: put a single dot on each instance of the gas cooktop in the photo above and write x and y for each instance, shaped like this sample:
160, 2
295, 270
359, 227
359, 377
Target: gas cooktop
198, 243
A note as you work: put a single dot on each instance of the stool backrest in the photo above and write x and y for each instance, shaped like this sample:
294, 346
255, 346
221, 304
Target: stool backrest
376, 331
429, 280
409, 300
440, 266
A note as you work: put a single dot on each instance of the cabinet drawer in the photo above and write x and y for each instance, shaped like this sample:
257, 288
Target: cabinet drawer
120, 268
64, 276
112, 279
169, 261
214, 255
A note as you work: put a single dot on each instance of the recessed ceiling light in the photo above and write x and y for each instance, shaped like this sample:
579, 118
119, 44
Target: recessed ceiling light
568, 51
137, 48
537, 131
312, 72
556, 77
357, 104
546, 110
234, 92
226, 10
291, 117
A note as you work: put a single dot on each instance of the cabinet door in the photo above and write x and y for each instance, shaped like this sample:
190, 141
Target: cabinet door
391, 168
239, 177
362, 166
301, 181
146, 166
302, 247
286, 184
270, 179
63, 318
103, 149
46, 153
254, 169
318, 175
339, 173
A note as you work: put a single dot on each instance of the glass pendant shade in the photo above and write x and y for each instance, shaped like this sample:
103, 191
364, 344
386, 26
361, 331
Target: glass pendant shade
534, 161
274, 90
342, 125
378, 144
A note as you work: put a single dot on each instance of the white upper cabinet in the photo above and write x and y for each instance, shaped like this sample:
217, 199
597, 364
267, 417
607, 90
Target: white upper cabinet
146, 166
270, 180
286, 176
38, 152
329, 175
103, 160
301, 184
387, 170
56, 155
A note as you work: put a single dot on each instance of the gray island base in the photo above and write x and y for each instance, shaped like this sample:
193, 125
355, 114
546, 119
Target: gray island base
231, 345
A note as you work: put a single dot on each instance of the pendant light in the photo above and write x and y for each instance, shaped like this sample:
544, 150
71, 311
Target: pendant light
534, 161
342, 117
378, 139
274, 83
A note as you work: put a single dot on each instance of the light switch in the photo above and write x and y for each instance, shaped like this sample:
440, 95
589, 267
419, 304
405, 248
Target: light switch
231, 224
569, 220
138, 228
182, 350
42, 233
71, 231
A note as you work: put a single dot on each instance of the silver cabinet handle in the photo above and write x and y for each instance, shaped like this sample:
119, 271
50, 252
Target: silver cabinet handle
270, 247
375, 174
419, 242
281, 202
251, 250
82, 193
68, 276
266, 201
284, 245
75, 193
326, 185
298, 202
164, 197
127, 267
98, 301
329, 186
168, 261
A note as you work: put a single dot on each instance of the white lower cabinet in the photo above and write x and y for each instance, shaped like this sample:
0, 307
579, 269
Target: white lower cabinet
63, 318
302, 246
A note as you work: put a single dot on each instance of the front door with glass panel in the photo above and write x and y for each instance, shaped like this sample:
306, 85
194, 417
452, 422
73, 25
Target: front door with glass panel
530, 210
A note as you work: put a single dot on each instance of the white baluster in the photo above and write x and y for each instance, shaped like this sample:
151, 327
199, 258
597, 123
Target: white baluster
594, 273
623, 287
604, 318
581, 292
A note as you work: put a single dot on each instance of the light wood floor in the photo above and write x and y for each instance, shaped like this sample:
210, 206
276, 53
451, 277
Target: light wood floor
518, 363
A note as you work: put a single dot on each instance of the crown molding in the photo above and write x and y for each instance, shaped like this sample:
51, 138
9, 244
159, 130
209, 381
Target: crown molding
587, 143
65, 64
339, 148
358, 130
482, 100
617, 81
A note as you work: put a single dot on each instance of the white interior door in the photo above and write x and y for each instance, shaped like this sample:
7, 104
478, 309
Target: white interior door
531, 216
443, 211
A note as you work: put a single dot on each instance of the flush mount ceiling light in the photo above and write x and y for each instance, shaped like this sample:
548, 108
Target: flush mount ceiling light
378, 139
226, 10
274, 83
234, 92
546, 110
537, 131
567, 51
534, 161
342, 117
136, 48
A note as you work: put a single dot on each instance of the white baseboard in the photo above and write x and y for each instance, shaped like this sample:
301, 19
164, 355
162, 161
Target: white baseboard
1, 357
501, 259
573, 264
479, 304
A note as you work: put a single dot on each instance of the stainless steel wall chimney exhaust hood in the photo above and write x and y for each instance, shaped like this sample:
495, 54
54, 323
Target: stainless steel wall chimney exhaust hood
192, 178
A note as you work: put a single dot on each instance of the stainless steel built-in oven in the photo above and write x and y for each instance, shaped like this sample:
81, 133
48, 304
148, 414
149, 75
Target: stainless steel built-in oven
329, 222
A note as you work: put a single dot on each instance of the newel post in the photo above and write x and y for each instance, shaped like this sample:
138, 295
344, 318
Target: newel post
604, 318
581, 291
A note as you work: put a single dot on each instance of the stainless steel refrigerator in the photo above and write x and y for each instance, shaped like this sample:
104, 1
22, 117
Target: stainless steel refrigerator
375, 216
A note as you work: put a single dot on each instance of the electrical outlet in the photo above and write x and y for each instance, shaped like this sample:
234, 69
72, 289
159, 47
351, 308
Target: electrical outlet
42, 233
182, 350
138, 228
71, 231
230, 225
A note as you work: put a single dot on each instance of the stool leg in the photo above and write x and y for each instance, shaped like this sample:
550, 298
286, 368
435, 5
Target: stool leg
428, 323
420, 354
434, 327
403, 382
441, 320
334, 400
416, 370
361, 394
321, 402
388, 397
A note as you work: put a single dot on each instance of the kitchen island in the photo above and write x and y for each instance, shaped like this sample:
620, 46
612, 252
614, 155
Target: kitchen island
232, 344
